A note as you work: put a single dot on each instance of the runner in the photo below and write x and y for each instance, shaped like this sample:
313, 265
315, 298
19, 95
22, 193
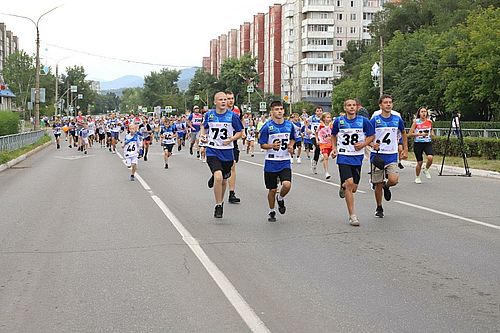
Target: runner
146, 130
223, 127
297, 125
251, 133
422, 131
307, 135
56, 129
131, 147
387, 128
350, 135
83, 134
314, 122
194, 123
180, 128
277, 137
168, 136
232, 180
323, 138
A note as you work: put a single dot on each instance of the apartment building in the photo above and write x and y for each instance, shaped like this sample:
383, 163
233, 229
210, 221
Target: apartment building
298, 45
9, 43
316, 32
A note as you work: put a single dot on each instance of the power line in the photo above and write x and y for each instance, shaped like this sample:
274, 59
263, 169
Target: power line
120, 59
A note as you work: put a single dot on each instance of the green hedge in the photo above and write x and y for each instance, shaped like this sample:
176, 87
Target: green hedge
468, 124
487, 148
9, 123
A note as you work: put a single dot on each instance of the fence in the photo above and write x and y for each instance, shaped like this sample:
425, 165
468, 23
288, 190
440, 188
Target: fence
16, 141
478, 133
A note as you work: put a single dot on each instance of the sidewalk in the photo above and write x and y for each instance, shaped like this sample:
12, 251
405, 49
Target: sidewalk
457, 170
21, 158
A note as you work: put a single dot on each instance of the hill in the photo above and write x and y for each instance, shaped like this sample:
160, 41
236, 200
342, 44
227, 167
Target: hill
128, 81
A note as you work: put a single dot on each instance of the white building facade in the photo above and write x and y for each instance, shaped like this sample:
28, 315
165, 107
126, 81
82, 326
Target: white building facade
314, 34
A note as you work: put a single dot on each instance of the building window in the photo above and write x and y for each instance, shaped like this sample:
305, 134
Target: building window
339, 57
339, 17
368, 16
339, 30
353, 17
352, 3
339, 3
339, 42
353, 30
338, 69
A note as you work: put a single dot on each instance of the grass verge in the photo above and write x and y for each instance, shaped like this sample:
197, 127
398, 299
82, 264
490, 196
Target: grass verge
7, 156
474, 162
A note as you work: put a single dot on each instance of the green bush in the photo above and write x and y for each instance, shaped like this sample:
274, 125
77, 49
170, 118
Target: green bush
468, 124
9, 123
487, 148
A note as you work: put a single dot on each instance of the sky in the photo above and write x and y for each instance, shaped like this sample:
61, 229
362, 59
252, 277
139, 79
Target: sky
166, 32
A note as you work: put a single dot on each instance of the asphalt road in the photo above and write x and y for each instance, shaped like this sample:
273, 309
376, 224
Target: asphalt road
83, 249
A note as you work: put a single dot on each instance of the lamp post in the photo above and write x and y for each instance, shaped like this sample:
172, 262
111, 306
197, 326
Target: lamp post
37, 65
290, 81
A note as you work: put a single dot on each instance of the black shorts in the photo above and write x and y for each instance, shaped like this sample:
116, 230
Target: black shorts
217, 165
308, 145
422, 147
169, 147
236, 153
101, 136
347, 171
57, 135
297, 144
271, 178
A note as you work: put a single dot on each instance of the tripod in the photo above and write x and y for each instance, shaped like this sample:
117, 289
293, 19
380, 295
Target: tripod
455, 126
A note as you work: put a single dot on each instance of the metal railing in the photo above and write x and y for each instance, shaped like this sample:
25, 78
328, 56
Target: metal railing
16, 141
477, 133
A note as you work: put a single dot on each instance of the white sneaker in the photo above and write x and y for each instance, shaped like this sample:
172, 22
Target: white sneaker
299, 160
418, 180
353, 220
321, 158
327, 175
291, 160
426, 173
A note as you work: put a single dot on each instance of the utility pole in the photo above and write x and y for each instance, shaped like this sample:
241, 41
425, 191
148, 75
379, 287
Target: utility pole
381, 82
57, 87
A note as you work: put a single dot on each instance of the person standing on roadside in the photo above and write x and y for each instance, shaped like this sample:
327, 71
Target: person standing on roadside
222, 127
422, 131
387, 128
236, 151
277, 137
350, 135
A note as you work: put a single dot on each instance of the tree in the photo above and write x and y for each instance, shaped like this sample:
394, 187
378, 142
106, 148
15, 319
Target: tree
75, 76
202, 84
159, 87
19, 74
131, 99
236, 74
105, 103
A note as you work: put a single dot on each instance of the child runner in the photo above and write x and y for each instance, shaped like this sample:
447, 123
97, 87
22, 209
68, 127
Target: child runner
422, 131
131, 146
323, 138
168, 137
56, 128
251, 132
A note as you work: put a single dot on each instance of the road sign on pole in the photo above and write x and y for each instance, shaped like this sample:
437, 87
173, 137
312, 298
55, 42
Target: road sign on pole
74, 89
196, 97
262, 106
250, 88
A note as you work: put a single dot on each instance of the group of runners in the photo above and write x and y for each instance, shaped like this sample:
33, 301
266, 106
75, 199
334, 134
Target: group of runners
213, 136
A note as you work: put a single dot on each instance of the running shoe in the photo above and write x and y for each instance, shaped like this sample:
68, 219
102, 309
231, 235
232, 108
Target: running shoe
427, 173
132, 178
353, 220
166, 165
218, 212
400, 165
232, 198
387, 193
327, 175
272, 217
299, 161
379, 212
341, 192
211, 182
145, 158
281, 205
190, 150
418, 180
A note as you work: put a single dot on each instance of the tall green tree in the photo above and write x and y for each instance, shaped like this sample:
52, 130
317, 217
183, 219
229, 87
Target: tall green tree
19, 74
203, 84
131, 99
75, 76
103, 103
236, 74
159, 87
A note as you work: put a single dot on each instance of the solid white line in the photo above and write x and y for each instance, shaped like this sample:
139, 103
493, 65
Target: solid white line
244, 310
449, 215
143, 182
301, 175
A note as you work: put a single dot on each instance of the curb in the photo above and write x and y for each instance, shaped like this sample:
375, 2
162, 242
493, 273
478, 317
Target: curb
458, 171
21, 158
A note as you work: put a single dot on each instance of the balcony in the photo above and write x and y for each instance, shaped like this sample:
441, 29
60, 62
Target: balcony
321, 48
316, 8
313, 87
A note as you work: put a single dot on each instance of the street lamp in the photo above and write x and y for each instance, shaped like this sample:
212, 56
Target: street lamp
376, 73
37, 66
290, 81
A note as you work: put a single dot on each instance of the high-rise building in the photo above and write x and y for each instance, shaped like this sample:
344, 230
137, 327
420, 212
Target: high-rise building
316, 32
9, 44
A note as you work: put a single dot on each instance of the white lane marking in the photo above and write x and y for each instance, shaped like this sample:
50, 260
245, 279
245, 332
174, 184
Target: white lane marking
234, 297
301, 175
244, 310
448, 214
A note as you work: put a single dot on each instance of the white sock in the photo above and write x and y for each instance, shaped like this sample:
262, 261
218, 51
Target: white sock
280, 198
272, 210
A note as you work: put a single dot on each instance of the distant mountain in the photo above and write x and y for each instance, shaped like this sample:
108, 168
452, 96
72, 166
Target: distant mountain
128, 81
186, 77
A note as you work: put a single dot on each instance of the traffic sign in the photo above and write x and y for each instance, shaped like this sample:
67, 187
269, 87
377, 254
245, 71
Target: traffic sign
262, 106
74, 89
196, 97
250, 88
286, 98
